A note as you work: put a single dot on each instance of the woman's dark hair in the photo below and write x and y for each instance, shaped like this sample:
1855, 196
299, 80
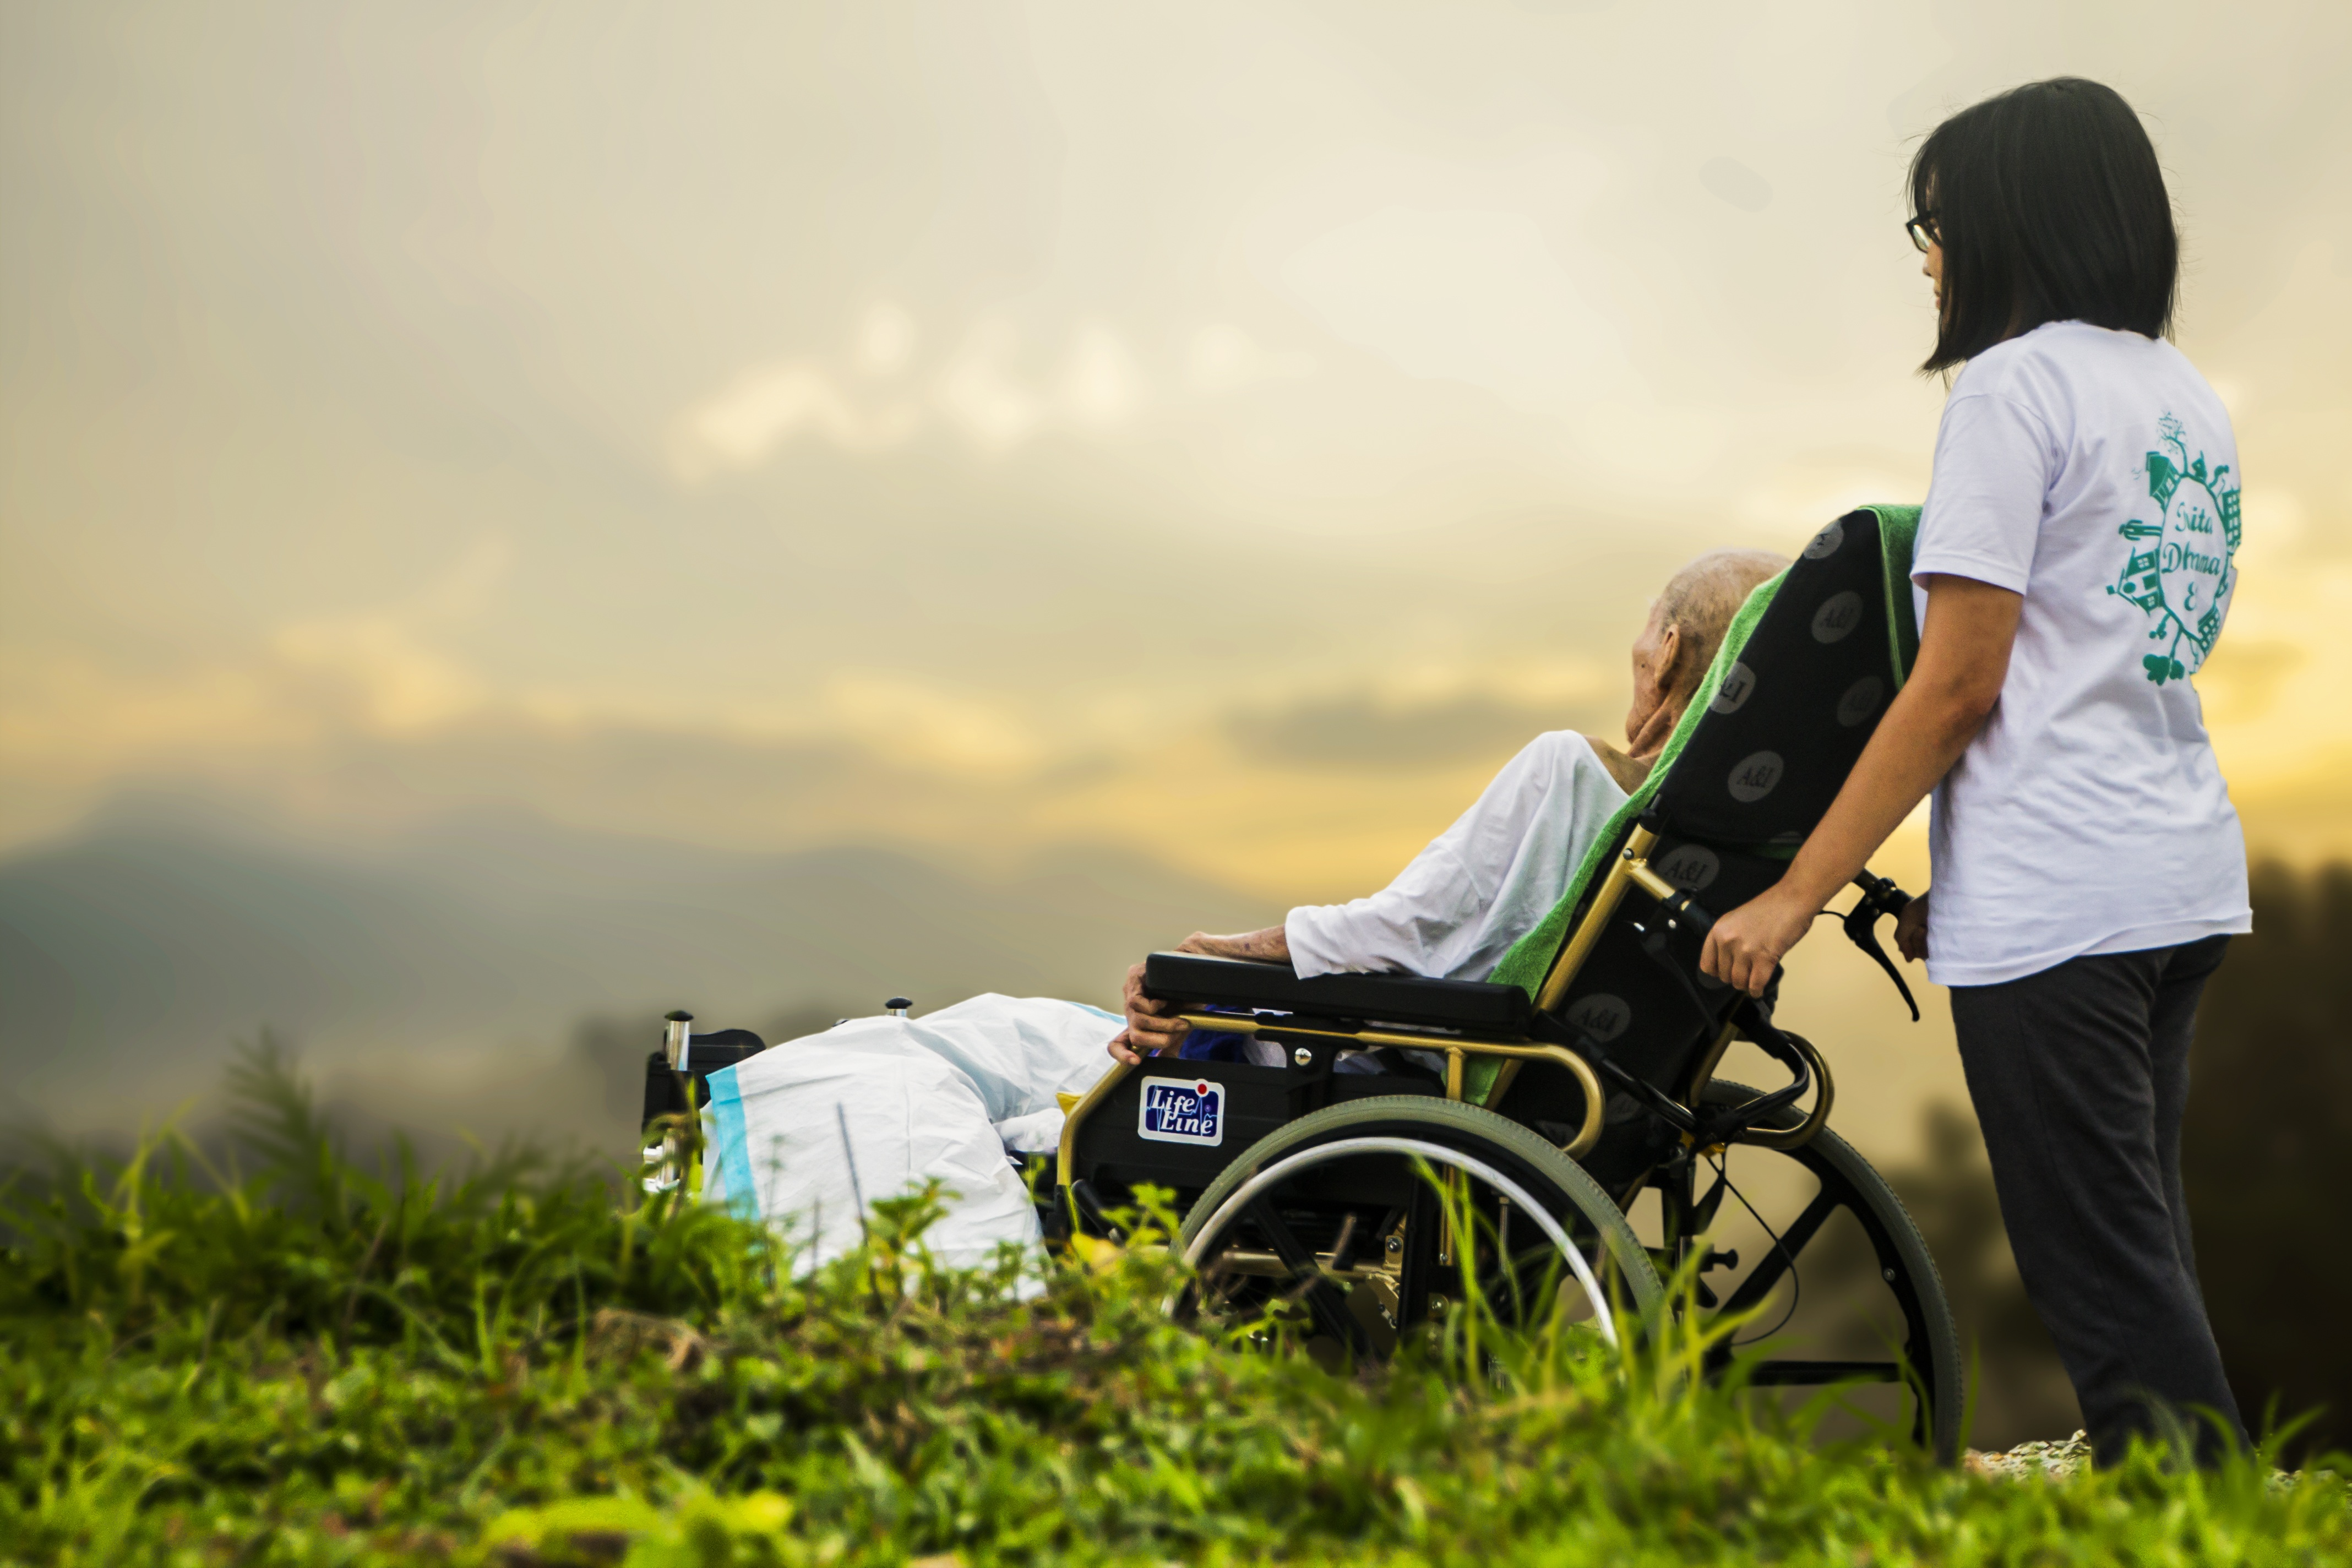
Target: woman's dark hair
2050, 207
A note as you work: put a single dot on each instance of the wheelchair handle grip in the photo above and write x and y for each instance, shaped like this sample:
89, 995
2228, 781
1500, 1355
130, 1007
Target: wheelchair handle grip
1881, 893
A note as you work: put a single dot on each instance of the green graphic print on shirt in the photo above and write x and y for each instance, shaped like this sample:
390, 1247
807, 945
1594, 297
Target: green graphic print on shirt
2179, 569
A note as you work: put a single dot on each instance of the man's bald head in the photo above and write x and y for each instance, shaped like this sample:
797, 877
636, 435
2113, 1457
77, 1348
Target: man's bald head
1700, 600
1685, 627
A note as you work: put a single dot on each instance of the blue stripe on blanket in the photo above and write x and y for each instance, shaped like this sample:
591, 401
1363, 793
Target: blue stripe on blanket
726, 1139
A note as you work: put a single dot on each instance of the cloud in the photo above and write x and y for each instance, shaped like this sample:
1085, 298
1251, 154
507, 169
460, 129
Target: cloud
1222, 357
1476, 296
887, 340
914, 724
739, 426
1362, 730
981, 396
879, 397
400, 683
1101, 383
1729, 180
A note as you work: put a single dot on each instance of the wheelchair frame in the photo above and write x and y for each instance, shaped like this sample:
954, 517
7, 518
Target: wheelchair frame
1630, 871
1309, 1117
1704, 1117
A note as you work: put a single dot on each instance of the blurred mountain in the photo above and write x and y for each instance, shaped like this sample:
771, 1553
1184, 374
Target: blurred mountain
466, 951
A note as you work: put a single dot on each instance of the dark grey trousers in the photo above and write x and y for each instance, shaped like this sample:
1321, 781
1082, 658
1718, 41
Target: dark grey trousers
2080, 1076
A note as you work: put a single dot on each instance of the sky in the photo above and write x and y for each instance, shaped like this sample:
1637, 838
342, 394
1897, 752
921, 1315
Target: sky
1223, 432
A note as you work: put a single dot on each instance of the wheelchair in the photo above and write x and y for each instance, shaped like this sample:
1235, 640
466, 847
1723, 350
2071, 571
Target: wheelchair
1546, 1110
1511, 1129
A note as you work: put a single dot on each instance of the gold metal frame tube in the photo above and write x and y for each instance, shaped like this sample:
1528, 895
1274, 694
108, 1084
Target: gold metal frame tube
1649, 882
1456, 1050
1066, 1155
1596, 920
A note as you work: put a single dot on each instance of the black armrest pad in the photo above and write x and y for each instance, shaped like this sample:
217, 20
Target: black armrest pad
1397, 998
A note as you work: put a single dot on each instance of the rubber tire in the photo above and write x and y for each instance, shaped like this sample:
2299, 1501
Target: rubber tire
1942, 1335
1455, 1125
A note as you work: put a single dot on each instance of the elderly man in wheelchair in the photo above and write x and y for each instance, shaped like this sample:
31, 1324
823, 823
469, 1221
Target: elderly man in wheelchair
1521, 1015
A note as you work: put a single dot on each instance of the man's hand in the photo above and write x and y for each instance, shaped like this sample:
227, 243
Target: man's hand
1152, 1027
1911, 929
1746, 945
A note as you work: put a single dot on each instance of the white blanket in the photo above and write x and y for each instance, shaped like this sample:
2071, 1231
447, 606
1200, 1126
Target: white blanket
800, 1135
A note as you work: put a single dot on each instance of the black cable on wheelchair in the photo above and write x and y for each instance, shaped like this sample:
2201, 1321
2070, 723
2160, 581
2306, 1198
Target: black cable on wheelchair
1796, 1275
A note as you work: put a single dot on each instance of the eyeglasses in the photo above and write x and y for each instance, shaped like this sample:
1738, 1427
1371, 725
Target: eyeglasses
1922, 230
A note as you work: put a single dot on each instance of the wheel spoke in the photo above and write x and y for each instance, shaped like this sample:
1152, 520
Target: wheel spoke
1416, 1271
1776, 1259
1926, 1360
1324, 1299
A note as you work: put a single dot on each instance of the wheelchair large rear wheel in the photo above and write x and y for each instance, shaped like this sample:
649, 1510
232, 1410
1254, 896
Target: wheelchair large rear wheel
1836, 1242
1363, 1222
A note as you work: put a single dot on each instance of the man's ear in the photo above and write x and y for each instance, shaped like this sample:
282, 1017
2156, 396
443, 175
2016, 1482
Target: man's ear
1670, 658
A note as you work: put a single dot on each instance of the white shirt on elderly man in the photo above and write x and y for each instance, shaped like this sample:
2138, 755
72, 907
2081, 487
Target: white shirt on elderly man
1480, 885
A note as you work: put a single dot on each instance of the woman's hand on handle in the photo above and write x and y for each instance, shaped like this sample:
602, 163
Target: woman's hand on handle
1963, 662
1911, 929
1744, 947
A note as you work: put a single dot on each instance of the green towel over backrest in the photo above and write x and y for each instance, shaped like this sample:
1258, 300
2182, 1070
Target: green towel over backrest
1530, 958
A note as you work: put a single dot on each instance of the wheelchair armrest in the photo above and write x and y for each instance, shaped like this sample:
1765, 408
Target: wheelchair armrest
1392, 998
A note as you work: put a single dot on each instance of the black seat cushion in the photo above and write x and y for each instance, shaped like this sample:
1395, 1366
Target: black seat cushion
1392, 998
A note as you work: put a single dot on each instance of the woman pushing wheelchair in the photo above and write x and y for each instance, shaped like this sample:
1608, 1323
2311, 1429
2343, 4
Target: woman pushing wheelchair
2073, 568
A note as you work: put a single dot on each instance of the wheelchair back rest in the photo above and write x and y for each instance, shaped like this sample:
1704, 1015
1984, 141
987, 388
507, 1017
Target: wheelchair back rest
1792, 710
1800, 700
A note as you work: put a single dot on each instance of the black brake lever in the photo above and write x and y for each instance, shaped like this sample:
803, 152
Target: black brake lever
1879, 897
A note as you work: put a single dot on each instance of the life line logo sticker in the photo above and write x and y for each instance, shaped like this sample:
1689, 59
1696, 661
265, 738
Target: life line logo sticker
1182, 1110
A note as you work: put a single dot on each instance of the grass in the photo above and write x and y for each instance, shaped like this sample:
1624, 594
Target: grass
273, 1357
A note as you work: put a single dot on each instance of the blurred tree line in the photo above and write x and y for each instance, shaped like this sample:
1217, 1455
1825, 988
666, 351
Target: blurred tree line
2267, 1157
2267, 1151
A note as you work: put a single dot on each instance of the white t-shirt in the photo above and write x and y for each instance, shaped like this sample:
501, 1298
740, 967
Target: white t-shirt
1482, 884
2095, 473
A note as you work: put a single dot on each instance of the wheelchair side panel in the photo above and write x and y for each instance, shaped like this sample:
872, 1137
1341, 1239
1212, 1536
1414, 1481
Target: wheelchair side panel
1148, 1128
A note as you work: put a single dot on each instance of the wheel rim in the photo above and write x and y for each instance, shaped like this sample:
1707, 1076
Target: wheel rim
1928, 1358
1361, 1241
1436, 1155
